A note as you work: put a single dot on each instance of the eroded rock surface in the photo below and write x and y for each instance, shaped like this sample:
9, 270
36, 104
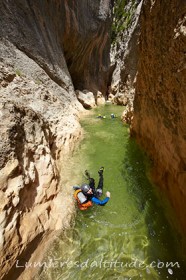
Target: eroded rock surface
46, 49
63, 37
124, 54
86, 98
160, 101
39, 128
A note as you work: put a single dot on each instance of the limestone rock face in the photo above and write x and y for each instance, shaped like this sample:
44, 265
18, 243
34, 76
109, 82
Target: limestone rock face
86, 98
47, 48
120, 99
160, 101
100, 98
62, 34
36, 134
127, 116
124, 54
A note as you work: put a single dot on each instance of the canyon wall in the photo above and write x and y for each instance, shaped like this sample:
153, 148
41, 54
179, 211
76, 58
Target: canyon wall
39, 129
47, 50
159, 122
62, 34
124, 51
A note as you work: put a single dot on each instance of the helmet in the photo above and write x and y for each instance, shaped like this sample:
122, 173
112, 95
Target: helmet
85, 188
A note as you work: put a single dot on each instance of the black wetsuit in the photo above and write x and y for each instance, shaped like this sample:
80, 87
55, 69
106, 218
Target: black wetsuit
97, 192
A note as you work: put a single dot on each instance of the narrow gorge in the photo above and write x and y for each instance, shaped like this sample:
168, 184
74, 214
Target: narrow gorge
58, 60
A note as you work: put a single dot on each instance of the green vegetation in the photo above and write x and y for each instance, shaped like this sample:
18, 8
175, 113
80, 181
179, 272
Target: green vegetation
38, 82
123, 11
18, 72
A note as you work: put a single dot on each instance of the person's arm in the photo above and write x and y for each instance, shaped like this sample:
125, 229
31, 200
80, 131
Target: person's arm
101, 202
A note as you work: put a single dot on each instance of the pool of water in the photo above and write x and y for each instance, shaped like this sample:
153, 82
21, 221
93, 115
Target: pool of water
128, 238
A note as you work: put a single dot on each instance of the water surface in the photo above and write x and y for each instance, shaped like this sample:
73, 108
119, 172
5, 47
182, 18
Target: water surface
130, 237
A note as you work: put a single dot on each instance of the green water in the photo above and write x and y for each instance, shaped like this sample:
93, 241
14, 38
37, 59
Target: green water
128, 238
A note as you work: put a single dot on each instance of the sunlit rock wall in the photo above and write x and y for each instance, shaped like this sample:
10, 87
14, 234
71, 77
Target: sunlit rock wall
46, 49
39, 129
124, 53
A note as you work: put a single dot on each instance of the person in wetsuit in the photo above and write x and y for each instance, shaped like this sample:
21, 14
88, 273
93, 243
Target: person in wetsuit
88, 194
